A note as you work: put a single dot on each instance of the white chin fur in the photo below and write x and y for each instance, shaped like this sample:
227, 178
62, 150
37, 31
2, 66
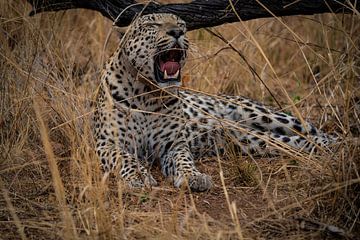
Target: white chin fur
170, 84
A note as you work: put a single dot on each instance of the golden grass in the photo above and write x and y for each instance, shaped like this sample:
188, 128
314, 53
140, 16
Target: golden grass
51, 183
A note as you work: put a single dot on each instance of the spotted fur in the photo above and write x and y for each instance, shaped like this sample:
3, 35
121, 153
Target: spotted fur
140, 119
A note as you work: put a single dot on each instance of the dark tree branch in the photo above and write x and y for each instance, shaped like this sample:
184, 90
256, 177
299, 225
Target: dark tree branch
200, 13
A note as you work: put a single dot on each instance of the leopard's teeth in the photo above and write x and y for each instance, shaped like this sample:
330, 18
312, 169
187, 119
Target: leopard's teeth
176, 75
165, 75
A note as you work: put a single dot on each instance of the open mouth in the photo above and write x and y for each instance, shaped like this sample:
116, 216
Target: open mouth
167, 65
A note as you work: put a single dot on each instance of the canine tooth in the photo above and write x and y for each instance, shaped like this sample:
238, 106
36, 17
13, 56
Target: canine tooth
165, 75
176, 75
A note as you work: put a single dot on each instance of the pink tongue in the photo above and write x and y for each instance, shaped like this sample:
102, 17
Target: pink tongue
170, 67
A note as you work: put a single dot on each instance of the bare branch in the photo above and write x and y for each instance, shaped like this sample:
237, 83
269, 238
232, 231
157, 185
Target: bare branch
200, 13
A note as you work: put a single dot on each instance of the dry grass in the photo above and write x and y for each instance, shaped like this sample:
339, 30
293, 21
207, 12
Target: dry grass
52, 186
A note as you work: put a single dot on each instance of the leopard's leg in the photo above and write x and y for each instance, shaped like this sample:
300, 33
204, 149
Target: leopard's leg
178, 163
113, 147
130, 169
257, 142
279, 123
248, 114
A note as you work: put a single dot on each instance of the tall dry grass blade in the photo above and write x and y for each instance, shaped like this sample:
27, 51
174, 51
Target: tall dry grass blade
231, 205
12, 211
69, 230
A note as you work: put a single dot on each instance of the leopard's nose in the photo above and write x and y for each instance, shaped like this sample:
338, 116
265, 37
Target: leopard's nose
175, 32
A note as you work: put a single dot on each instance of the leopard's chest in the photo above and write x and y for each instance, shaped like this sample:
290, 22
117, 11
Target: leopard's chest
147, 131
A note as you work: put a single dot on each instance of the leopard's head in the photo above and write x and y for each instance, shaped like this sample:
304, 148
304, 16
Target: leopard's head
156, 46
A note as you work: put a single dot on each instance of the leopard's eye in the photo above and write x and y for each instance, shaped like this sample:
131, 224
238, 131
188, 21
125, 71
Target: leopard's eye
182, 25
152, 24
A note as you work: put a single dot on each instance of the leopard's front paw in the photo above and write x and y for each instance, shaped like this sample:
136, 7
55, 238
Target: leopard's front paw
197, 182
139, 182
135, 183
200, 183
150, 181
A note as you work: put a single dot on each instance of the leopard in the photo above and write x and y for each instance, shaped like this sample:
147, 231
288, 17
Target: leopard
144, 116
